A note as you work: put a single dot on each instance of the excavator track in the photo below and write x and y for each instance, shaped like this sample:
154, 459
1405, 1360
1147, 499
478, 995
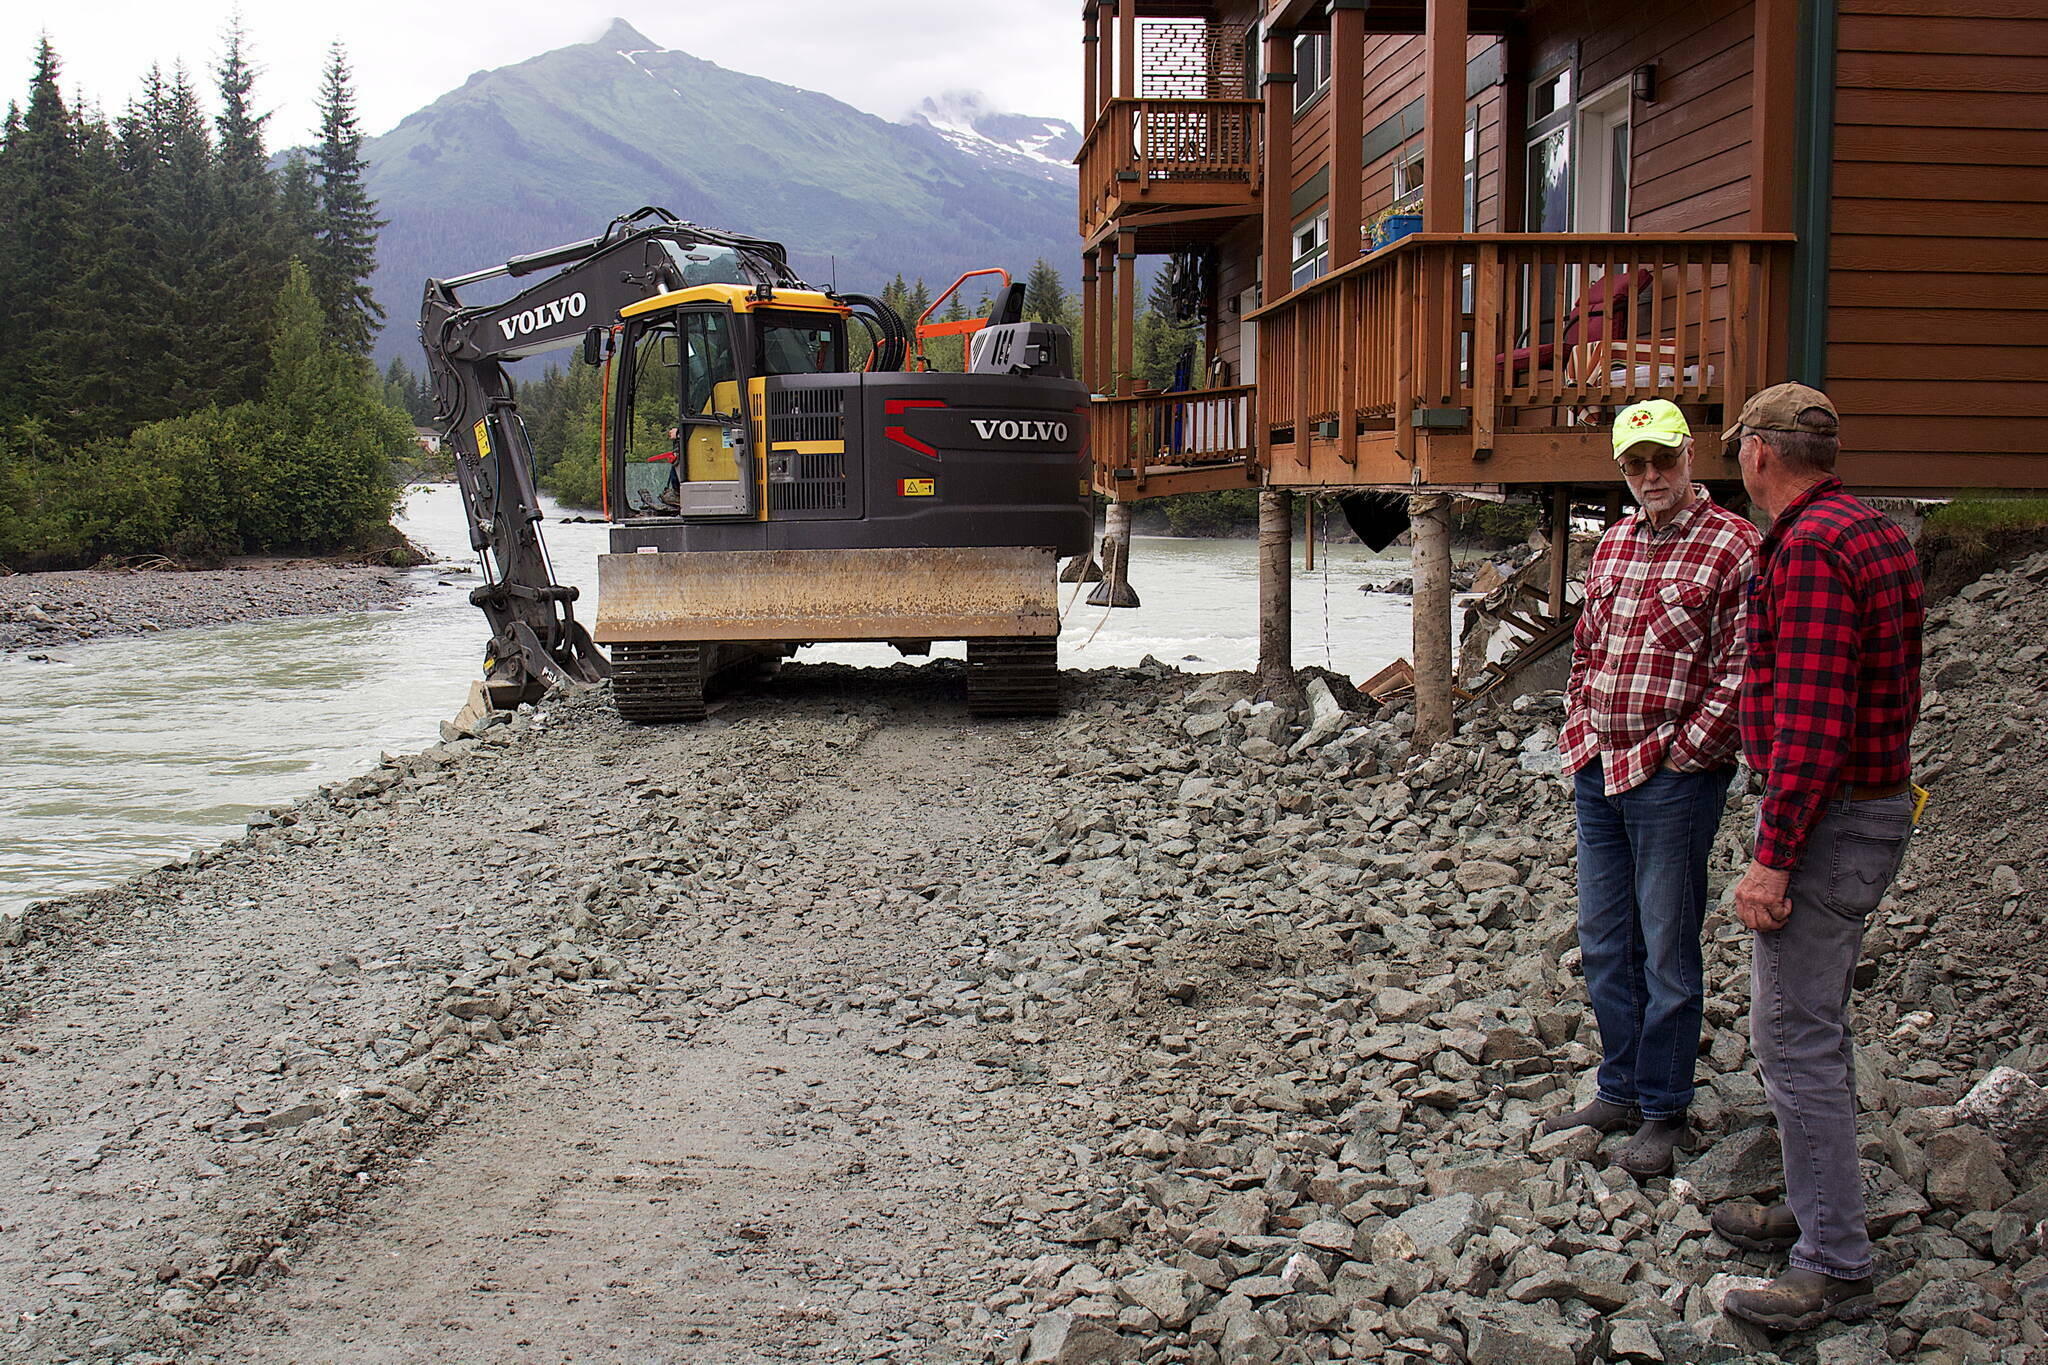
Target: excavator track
1013, 676
659, 683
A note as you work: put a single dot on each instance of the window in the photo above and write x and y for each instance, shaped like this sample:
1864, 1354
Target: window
710, 388
1471, 177
1311, 68
646, 427
1311, 250
1547, 184
797, 343
1408, 178
1550, 95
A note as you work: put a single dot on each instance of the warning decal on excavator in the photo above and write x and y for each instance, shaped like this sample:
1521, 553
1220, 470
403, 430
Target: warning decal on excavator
917, 488
483, 440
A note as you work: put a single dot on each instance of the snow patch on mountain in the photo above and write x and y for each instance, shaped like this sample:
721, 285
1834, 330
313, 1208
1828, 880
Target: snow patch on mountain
1022, 142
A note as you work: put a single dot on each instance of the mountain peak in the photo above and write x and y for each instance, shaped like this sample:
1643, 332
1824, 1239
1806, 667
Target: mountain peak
1044, 147
623, 37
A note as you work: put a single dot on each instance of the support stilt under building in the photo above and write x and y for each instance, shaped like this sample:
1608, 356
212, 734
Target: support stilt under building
1276, 599
1115, 588
1430, 527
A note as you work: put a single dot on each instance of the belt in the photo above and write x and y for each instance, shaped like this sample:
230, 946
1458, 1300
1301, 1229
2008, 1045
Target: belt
1878, 792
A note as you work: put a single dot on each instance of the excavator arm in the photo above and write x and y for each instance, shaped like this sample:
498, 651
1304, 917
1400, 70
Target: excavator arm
535, 637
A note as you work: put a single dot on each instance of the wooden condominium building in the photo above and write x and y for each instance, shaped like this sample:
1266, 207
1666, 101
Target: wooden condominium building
1438, 243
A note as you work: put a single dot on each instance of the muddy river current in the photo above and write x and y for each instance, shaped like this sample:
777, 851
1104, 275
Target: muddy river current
119, 755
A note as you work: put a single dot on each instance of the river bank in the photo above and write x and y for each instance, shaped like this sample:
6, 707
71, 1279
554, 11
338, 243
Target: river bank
40, 611
842, 1028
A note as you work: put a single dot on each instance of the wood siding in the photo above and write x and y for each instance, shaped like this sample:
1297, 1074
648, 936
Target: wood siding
1937, 292
1689, 148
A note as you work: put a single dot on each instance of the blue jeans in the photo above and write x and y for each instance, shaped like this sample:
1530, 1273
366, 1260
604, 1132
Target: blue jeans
1642, 901
1800, 979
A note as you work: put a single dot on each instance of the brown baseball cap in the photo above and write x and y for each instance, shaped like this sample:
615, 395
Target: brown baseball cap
1786, 407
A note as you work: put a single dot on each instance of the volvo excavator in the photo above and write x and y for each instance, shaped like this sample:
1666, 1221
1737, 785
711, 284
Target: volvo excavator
764, 491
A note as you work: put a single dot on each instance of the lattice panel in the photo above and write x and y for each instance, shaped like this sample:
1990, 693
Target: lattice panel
1190, 59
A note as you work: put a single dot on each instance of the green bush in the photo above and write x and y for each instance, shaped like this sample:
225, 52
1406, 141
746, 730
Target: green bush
1232, 512
309, 468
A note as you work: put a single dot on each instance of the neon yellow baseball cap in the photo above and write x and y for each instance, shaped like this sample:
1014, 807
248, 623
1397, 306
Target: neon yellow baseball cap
1653, 419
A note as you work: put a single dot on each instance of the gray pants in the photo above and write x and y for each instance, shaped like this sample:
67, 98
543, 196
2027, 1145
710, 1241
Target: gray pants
1800, 979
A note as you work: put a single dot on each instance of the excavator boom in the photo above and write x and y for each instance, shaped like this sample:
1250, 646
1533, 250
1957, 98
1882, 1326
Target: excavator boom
536, 640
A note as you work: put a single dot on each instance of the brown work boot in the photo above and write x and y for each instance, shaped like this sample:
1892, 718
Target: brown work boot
1757, 1228
1649, 1152
1598, 1115
1799, 1299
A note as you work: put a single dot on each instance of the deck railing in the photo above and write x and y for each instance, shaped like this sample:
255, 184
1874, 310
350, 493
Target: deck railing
1499, 332
1196, 427
1173, 151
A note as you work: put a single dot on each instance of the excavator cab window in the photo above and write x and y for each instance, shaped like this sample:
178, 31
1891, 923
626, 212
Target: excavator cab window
703, 263
649, 421
801, 343
683, 424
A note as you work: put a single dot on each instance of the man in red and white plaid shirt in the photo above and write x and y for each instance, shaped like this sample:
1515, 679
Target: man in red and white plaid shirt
1650, 739
1827, 709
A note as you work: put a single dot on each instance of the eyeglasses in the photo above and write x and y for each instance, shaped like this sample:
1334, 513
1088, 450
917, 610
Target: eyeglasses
1663, 460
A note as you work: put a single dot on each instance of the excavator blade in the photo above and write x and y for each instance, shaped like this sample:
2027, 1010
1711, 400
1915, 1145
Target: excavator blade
820, 595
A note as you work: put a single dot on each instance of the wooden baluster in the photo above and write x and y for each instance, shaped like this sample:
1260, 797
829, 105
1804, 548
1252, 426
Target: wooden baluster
1763, 261
1485, 349
1657, 325
1403, 308
1683, 302
1262, 434
1626, 325
1738, 328
1348, 298
1511, 326
1306, 350
1701, 259
1567, 266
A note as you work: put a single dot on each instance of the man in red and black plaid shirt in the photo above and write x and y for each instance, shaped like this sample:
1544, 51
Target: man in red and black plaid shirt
1650, 737
1828, 704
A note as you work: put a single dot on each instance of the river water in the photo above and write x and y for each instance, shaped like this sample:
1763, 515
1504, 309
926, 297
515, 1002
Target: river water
120, 755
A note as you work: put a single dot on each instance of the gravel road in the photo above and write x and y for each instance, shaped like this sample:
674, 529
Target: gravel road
841, 1028
40, 611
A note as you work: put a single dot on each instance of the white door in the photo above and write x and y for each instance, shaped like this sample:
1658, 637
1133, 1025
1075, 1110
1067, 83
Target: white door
1600, 194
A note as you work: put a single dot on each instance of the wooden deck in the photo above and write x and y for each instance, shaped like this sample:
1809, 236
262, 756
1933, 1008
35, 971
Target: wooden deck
1488, 359
1161, 155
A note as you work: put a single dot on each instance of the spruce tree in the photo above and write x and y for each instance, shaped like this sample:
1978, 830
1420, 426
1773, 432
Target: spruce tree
330, 482
245, 269
298, 211
187, 218
1045, 295
916, 299
346, 220
139, 237
45, 174
107, 332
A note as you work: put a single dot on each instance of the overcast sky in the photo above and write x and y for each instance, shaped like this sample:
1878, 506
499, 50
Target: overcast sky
878, 55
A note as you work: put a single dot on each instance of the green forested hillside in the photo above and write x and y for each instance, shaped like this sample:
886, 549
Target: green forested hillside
550, 149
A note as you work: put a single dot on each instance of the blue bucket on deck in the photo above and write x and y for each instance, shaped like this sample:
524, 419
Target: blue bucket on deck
1394, 227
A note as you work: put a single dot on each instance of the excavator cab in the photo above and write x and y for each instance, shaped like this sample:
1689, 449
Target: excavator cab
683, 444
